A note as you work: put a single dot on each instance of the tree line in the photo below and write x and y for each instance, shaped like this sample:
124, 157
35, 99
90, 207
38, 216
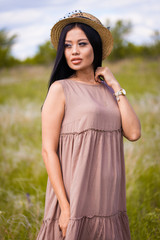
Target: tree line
46, 53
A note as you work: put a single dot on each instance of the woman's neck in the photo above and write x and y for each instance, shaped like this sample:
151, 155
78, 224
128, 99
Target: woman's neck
84, 76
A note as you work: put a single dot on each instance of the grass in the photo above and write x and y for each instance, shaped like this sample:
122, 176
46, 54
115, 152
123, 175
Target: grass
23, 176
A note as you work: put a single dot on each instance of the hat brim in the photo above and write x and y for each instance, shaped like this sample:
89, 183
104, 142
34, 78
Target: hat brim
105, 34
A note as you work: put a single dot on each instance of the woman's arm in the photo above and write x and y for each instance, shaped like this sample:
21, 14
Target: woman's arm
52, 115
130, 122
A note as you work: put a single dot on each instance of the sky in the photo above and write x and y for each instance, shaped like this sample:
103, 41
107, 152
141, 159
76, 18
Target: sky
32, 20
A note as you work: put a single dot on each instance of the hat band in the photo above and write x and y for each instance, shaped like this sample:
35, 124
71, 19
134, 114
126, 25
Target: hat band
80, 16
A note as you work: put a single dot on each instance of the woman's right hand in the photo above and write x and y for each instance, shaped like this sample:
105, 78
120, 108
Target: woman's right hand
64, 220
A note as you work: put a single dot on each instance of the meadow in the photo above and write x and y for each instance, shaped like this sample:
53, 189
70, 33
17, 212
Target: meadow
23, 177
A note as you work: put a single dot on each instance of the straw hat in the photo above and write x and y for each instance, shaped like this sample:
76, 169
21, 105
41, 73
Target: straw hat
82, 17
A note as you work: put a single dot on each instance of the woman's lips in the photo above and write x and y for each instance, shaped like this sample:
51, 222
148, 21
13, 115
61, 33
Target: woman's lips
76, 60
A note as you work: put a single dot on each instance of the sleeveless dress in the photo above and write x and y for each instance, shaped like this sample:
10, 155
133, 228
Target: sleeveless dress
91, 155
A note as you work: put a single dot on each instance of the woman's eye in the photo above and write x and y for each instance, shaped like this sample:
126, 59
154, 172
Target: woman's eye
82, 43
67, 45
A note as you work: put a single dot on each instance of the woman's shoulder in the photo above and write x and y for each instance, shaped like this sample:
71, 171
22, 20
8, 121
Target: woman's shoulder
57, 85
61, 80
55, 91
59, 88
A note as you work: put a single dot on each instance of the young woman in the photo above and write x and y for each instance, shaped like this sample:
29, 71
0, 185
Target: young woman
84, 118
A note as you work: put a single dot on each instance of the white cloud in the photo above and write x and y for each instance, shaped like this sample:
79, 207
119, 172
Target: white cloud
20, 17
32, 20
141, 35
29, 38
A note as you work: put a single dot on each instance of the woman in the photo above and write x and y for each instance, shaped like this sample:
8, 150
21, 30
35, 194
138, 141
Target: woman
84, 118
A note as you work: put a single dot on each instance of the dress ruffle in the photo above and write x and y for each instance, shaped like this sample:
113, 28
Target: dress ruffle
114, 227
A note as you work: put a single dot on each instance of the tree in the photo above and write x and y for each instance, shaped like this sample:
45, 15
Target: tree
155, 48
156, 37
119, 33
45, 55
6, 43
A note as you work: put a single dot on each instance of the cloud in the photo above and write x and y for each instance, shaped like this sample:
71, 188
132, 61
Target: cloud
20, 18
32, 20
29, 38
7, 5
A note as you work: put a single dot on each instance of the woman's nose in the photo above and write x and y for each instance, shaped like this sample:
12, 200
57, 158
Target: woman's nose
75, 49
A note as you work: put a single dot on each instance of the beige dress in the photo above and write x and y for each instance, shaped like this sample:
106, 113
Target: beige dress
91, 155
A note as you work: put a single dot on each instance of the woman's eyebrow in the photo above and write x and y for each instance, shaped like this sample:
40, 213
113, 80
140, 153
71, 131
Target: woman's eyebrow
78, 40
83, 39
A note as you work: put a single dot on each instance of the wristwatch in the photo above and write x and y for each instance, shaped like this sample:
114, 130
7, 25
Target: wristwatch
120, 92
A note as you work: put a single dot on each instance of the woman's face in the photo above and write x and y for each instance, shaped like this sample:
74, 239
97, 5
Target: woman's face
78, 51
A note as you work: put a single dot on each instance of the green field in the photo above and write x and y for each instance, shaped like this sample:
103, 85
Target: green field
23, 176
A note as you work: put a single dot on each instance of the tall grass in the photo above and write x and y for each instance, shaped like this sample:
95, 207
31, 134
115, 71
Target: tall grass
23, 176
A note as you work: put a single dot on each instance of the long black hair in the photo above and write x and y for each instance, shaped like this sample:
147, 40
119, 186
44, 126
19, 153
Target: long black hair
61, 69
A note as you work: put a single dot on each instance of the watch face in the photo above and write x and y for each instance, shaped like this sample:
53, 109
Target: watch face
124, 92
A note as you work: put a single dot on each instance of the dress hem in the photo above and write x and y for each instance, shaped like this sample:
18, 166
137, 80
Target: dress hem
114, 227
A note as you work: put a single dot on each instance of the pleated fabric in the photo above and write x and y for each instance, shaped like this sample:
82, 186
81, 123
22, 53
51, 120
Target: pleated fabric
91, 155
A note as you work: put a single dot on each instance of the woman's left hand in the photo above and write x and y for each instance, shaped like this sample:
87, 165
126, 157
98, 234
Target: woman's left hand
108, 77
